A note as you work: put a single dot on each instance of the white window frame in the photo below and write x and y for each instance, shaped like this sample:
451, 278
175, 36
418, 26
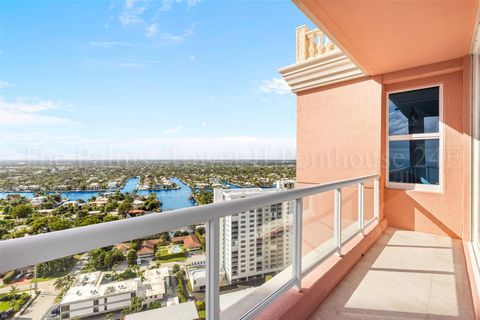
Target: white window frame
418, 136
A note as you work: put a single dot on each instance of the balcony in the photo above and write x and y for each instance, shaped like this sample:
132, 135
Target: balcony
54, 245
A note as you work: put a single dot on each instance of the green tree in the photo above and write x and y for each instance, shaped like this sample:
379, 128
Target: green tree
7, 209
108, 260
13, 295
176, 268
63, 282
136, 304
22, 211
132, 257
124, 207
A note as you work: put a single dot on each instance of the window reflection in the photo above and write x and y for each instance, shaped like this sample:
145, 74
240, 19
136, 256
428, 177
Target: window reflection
414, 112
414, 161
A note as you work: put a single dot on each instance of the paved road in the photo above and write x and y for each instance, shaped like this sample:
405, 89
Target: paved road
79, 265
45, 285
39, 307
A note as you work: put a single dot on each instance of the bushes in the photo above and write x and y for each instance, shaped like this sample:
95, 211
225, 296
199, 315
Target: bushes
125, 275
201, 238
200, 305
180, 293
104, 258
18, 302
155, 305
55, 268
10, 276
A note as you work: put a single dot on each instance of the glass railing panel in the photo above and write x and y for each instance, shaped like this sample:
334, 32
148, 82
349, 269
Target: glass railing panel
256, 260
317, 227
368, 201
349, 220
121, 281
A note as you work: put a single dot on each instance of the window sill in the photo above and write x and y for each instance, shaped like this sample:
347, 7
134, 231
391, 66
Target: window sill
415, 187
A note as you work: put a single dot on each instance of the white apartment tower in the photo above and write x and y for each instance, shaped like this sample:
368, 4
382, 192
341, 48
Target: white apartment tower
258, 242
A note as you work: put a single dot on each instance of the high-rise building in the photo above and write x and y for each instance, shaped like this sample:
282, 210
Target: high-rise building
255, 243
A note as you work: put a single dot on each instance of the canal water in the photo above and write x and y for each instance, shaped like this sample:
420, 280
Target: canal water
171, 199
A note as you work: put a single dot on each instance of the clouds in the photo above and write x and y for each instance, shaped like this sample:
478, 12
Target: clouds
118, 63
30, 112
166, 5
145, 14
275, 85
173, 130
109, 44
5, 84
151, 30
132, 12
176, 38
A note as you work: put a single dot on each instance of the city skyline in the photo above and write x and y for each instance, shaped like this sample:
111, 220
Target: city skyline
146, 80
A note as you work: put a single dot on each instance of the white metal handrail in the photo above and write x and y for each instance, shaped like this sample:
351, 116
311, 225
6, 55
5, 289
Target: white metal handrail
27, 251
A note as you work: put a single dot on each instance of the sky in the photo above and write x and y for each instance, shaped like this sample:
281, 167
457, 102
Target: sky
144, 79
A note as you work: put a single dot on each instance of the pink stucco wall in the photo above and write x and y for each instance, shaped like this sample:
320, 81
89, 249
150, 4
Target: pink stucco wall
338, 137
338, 131
341, 133
446, 212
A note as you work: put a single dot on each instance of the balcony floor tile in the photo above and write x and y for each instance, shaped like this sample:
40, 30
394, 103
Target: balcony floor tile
405, 275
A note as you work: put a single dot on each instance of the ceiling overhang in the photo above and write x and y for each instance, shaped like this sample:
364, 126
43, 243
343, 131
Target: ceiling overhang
386, 36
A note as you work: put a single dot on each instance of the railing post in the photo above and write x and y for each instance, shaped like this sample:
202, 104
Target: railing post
212, 297
302, 43
361, 199
337, 221
297, 250
376, 199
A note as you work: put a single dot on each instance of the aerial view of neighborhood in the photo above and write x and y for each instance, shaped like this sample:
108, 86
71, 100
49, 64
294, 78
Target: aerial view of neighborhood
163, 272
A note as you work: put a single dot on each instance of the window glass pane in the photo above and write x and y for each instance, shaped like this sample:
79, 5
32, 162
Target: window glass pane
414, 111
414, 161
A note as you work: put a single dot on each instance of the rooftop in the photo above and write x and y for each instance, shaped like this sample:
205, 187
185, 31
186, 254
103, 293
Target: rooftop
155, 281
195, 274
240, 192
90, 291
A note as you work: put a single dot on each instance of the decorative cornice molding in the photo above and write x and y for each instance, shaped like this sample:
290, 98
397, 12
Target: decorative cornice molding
331, 67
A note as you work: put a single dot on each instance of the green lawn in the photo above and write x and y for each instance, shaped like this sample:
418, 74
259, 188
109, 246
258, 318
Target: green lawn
4, 305
163, 250
201, 314
46, 279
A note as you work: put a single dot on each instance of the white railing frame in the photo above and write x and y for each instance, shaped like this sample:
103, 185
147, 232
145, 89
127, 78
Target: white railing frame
297, 250
27, 251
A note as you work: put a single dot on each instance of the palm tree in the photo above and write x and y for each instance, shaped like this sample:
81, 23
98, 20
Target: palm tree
63, 282
13, 295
